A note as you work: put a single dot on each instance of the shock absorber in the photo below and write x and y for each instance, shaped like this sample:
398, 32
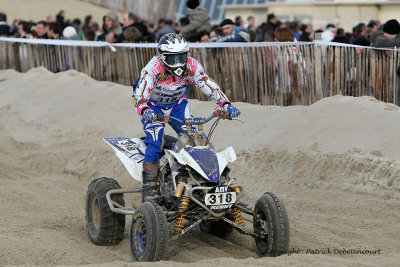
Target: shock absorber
237, 216
180, 221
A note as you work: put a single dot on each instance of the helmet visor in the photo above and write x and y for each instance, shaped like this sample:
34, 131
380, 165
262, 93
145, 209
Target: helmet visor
175, 59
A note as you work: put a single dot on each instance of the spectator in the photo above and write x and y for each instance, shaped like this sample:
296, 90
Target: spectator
232, 33
49, 19
54, 31
182, 23
360, 36
199, 20
239, 22
24, 30
203, 37
391, 36
306, 31
14, 27
131, 20
375, 35
252, 36
42, 29
284, 35
111, 26
87, 22
373, 25
340, 37
271, 26
269, 36
70, 33
89, 35
5, 29
294, 27
250, 24
216, 31
132, 35
76, 23
60, 19
328, 34
150, 29
164, 29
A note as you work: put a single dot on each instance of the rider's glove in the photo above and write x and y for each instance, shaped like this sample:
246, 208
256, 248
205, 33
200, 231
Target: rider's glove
149, 115
233, 112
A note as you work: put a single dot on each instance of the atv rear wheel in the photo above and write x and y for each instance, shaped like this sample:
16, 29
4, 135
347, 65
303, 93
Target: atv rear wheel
104, 227
149, 233
271, 224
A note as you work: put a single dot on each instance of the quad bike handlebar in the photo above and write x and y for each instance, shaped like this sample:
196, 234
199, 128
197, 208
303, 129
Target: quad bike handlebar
220, 114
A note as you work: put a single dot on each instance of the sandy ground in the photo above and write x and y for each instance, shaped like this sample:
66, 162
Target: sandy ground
335, 164
39, 9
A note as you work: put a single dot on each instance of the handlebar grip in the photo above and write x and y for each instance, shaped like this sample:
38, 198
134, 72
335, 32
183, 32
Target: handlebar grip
159, 117
223, 114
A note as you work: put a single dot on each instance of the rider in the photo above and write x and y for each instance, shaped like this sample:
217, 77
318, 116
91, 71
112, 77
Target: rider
162, 89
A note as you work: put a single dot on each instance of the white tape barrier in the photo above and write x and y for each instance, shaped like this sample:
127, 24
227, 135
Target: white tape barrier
191, 45
58, 42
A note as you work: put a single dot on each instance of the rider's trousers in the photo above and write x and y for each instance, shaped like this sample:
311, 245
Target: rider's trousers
155, 131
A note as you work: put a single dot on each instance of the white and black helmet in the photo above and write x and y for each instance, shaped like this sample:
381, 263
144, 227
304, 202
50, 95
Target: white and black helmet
173, 53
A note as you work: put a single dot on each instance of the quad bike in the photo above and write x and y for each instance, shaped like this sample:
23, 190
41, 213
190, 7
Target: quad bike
195, 189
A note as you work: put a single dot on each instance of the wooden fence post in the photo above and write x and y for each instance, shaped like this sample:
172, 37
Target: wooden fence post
318, 72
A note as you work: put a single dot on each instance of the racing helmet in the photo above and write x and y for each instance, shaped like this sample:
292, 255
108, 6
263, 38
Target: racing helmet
173, 53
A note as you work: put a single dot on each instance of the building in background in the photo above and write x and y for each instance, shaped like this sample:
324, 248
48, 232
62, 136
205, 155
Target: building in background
343, 13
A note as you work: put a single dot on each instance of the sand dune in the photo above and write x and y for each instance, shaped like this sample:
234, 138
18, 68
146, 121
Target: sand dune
335, 164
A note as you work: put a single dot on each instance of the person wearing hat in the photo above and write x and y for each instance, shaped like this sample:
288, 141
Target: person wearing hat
232, 33
199, 20
391, 35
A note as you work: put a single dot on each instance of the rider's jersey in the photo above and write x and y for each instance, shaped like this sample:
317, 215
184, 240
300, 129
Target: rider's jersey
162, 89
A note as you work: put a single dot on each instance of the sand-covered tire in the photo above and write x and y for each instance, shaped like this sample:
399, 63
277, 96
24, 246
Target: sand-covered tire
218, 228
105, 228
271, 224
149, 233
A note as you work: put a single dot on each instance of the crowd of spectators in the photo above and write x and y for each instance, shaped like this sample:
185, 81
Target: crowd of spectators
196, 27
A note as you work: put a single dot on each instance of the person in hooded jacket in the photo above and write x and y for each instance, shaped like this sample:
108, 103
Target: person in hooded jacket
111, 26
199, 20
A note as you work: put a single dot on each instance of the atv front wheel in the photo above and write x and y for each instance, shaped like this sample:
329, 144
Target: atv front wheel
149, 233
271, 224
104, 227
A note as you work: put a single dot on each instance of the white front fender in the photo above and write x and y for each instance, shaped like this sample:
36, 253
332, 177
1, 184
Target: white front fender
224, 157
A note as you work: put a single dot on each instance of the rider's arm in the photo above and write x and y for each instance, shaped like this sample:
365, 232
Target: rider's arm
141, 93
208, 86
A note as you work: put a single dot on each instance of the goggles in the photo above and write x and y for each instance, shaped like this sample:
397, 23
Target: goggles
173, 59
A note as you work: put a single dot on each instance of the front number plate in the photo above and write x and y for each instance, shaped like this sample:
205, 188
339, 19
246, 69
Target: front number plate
220, 198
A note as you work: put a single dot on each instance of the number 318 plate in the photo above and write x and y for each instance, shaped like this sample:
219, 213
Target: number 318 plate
220, 195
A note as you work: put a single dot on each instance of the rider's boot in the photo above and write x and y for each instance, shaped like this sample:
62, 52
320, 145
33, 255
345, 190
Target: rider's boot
149, 187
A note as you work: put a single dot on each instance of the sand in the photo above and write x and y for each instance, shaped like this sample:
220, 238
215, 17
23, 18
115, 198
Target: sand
335, 164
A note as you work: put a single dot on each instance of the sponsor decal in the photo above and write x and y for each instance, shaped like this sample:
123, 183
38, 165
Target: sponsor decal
221, 207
